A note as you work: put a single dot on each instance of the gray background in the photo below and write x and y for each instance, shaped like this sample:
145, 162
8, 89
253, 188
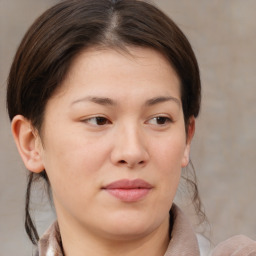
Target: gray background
223, 35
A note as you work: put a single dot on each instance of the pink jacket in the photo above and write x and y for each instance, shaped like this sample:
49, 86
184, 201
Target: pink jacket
183, 241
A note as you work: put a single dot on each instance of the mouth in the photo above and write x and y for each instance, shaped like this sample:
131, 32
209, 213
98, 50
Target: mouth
129, 190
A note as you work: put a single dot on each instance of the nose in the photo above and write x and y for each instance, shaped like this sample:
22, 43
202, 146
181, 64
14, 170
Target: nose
130, 148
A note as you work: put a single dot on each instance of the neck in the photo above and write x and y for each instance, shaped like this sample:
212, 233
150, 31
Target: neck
79, 242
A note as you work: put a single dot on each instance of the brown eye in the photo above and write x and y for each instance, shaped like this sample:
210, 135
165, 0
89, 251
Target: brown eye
160, 120
97, 120
101, 120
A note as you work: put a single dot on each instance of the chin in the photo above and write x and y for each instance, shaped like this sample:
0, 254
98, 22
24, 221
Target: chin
123, 233
130, 226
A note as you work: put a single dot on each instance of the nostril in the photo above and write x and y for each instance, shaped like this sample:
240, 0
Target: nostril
123, 162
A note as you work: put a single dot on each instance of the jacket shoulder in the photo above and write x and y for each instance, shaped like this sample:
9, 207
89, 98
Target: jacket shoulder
236, 246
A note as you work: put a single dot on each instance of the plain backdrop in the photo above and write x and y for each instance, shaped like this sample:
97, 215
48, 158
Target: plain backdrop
223, 36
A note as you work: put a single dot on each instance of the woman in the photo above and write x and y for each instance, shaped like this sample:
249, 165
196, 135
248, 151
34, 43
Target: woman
103, 97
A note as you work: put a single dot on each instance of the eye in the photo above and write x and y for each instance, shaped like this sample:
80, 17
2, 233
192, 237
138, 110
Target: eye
97, 120
160, 120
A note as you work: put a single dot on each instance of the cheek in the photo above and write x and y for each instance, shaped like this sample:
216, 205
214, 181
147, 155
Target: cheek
71, 148
73, 161
168, 158
170, 151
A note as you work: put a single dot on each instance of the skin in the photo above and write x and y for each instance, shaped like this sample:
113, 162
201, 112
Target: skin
140, 135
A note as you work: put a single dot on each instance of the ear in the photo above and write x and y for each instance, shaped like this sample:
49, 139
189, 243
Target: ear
28, 143
190, 135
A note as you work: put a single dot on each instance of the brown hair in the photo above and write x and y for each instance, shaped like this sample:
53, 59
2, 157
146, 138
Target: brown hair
62, 32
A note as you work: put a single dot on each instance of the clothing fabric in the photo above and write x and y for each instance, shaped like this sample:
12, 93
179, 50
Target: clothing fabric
236, 246
183, 241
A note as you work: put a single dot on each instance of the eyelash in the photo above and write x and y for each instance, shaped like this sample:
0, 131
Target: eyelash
101, 121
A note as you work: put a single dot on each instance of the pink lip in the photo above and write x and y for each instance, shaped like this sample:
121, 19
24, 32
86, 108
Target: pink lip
129, 190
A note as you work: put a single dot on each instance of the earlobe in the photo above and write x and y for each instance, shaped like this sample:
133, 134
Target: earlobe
28, 143
190, 135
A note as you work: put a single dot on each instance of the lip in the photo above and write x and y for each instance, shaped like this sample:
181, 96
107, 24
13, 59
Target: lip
129, 190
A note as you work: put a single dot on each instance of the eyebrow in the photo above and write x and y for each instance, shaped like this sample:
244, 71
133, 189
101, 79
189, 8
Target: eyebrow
109, 102
98, 100
161, 99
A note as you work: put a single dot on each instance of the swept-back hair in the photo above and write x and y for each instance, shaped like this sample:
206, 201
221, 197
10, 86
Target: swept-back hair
62, 32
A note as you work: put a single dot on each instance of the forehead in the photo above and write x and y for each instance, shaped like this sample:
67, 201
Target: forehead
105, 69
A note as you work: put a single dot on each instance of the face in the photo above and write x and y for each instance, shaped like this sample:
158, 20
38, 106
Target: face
114, 142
